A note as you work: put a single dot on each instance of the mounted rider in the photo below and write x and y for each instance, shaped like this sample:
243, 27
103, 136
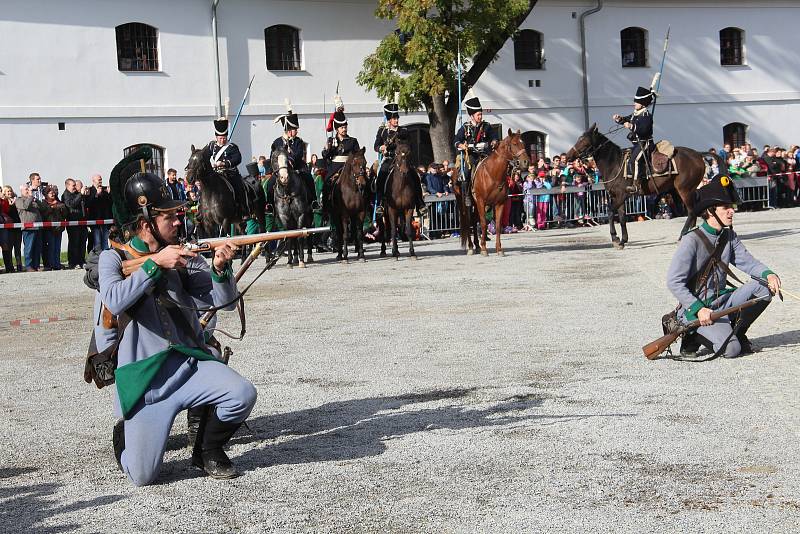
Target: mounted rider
640, 124
163, 362
476, 139
295, 149
386, 140
225, 159
335, 154
698, 276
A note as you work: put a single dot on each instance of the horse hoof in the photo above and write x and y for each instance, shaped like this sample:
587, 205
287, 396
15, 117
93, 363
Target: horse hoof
413, 257
302, 265
501, 253
484, 253
383, 254
362, 260
310, 260
344, 262
617, 245
470, 252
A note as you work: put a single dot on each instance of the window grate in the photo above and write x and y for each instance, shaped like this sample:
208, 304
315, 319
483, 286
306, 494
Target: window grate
137, 47
156, 163
735, 134
528, 53
534, 144
633, 44
283, 47
730, 47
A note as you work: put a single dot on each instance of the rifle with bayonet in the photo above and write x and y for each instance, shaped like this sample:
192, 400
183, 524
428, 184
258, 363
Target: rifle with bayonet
206, 245
653, 349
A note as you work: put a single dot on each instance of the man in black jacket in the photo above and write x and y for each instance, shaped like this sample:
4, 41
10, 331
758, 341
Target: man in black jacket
76, 235
98, 206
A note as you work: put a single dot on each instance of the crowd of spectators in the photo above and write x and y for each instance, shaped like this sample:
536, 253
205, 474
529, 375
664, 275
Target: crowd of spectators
537, 200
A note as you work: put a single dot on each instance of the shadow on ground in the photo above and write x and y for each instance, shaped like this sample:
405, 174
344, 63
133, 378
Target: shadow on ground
26, 507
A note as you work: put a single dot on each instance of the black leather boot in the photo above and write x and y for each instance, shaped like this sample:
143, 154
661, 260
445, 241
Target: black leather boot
746, 318
193, 418
208, 454
118, 438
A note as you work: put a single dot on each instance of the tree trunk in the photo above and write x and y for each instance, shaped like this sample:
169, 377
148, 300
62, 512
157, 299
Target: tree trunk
441, 117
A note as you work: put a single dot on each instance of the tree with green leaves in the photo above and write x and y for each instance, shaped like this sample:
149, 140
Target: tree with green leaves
420, 59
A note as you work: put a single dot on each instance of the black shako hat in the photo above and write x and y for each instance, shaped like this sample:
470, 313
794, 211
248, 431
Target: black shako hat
718, 192
221, 126
643, 96
472, 103
391, 111
339, 119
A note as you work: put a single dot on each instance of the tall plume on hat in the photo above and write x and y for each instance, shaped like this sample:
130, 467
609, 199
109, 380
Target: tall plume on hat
337, 102
391, 110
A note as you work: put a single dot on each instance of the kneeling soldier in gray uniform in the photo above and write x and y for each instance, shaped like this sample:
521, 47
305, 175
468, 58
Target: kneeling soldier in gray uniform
698, 275
163, 363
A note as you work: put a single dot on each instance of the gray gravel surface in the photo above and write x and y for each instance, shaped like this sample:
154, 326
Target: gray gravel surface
449, 394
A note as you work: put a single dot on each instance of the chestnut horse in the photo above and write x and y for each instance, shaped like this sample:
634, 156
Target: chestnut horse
401, 201
610, 160
489, 189
349, 203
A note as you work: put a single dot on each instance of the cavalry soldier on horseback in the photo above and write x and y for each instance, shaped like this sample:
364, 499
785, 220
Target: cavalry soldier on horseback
164, 364
475, 139
698, 276
335, 154
295, 149
386, 140
640, 124
225, 159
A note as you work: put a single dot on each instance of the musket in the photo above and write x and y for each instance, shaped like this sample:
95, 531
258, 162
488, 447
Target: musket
241, 106
653, 349
206, 245
656, 85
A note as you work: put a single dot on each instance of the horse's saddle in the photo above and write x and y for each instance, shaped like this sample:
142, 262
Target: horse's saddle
662, 161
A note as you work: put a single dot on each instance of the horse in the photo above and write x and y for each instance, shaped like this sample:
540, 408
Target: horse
292, 207
349, 203
489, 188
218, 203
401, 201
611, 162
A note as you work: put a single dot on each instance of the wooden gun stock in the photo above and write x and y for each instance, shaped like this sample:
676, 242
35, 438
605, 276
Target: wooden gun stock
130, 266
653, 349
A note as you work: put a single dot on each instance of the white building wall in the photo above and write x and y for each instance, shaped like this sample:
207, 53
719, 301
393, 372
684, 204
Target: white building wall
58, 64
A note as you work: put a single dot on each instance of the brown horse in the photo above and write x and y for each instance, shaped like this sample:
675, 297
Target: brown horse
401, 201
349, 205
610, 160
489, 189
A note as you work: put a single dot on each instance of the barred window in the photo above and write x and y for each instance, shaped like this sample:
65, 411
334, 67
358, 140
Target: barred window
419, 138
731, 51
735, 134
283, 47
528, 53
156, 163
535, 143
633, 43
137, 47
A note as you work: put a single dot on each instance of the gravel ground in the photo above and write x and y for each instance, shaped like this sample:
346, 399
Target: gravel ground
450, 394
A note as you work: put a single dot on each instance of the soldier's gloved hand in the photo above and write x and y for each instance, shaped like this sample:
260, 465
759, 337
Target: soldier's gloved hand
704, 315
172, 256
223, 255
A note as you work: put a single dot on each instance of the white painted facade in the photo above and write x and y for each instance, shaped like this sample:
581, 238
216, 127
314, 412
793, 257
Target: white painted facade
58, 64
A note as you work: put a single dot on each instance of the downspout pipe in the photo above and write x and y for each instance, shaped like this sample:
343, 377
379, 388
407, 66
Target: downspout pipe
218, 84
584, 68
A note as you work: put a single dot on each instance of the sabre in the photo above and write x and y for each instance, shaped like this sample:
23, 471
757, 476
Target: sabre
460, 106
656, 85
241, 106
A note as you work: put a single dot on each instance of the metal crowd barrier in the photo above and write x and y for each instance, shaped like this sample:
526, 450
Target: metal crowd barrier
571, 204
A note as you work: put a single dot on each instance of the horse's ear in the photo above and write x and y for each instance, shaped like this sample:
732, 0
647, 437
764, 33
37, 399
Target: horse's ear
593, 127
519, 132
363, 150
510, 133
193, 148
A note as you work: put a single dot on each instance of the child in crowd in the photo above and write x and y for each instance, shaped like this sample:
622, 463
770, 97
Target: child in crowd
543, 201
529, 202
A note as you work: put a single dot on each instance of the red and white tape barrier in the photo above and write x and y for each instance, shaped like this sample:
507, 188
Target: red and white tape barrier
28, 226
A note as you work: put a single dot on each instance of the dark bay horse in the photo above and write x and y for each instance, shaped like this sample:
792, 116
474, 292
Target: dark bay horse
401, 201
610, 160
489, 189
218, 206
349, 203
292, 208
